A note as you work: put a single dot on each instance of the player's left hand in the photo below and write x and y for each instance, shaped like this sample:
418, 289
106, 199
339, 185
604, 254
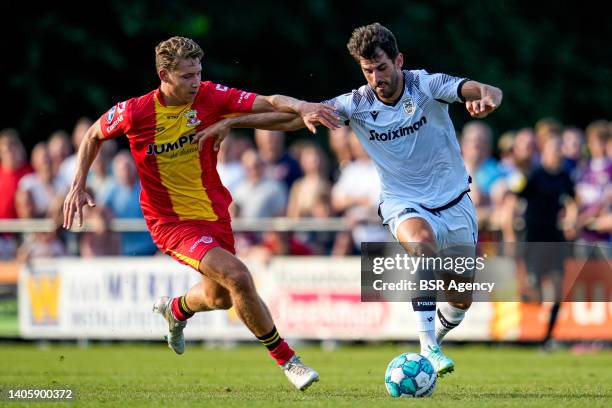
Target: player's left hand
317, 113
219, 131
491, 98
480, 108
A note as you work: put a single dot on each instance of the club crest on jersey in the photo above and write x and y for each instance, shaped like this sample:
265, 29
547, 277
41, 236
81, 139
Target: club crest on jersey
409, 106
111, 114
192, 118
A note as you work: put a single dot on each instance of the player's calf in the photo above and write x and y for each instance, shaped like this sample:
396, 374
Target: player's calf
448, 317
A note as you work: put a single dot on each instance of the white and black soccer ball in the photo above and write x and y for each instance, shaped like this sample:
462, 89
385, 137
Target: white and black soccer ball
410, 375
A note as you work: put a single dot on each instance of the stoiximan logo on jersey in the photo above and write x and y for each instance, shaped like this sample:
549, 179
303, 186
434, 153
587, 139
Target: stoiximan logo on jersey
192, 118
409, 106
392, 134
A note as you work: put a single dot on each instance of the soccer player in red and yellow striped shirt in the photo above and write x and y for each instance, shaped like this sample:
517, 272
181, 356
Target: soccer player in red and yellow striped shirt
183, 201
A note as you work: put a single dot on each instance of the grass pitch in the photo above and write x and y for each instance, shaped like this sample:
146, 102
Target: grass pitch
150, 375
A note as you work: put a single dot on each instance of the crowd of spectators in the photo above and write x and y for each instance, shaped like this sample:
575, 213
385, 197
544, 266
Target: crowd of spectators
269, 179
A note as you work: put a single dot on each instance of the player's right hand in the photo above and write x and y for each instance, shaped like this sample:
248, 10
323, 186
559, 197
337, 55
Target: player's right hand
317, 113
219, 130
76, 199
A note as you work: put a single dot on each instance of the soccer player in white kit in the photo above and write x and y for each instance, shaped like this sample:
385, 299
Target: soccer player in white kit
401, 119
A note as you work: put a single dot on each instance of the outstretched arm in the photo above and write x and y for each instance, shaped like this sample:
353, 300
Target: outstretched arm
311, 113
77, 196
266, 121
481, 99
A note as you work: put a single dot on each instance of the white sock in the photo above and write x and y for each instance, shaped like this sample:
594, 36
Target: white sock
449, 317
427, 339
425, 313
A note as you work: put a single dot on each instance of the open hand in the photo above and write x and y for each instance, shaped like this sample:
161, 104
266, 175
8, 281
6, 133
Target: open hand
76, 199
317, 113
219, 130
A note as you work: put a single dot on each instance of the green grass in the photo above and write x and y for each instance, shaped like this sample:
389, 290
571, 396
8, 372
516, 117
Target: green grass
151, 375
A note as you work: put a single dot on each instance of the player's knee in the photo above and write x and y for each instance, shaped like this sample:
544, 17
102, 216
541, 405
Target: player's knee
416, 235
423, 236
238, 279
461, 304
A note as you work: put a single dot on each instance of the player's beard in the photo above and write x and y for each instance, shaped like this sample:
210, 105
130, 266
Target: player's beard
390, 88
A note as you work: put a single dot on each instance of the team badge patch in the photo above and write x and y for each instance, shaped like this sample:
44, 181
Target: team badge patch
111, 114
409, 106
192, 118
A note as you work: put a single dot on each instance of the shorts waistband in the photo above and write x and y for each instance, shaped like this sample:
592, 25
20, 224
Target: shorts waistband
453, 203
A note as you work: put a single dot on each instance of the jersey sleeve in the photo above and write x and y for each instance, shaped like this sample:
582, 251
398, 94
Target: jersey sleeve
231, 101
343, 106
442, 87
116, 121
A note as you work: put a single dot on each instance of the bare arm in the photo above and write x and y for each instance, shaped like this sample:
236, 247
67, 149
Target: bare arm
481, 99
77, 196
311, 113
266, 121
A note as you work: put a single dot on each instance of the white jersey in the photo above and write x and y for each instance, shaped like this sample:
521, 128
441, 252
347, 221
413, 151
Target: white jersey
413, 142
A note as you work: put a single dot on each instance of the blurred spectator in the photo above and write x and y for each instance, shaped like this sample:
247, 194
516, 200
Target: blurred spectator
339, 142
100, 177
259, 196
229, 166
356, 195
13, 166
279, 165
122, 198
100, 241
549, 193
505, 144
573, 141
67, 168
358, 184
609, 144
476, 144
307, 190
42, 186
310, 196
24, 204
594, 184
476, 141
41, 244
545, 128
523, 161
59, 149
277, 243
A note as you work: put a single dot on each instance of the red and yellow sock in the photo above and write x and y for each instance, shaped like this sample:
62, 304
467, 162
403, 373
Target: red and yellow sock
277, 347
180, 310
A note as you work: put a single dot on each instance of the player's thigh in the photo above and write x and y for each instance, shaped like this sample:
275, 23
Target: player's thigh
408, 222
416, 235
461, 224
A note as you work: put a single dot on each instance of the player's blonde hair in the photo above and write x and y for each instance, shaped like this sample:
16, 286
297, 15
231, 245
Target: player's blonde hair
168, 53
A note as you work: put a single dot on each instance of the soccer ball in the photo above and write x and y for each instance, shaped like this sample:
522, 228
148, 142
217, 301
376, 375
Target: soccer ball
410, 375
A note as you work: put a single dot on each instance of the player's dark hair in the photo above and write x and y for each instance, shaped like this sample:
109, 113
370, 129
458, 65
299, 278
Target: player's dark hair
366, 39
168, 53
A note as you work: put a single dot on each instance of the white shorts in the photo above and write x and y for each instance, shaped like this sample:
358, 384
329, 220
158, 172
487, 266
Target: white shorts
453, 226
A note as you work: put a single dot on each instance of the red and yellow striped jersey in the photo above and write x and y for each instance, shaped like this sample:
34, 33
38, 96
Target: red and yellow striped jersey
178, 181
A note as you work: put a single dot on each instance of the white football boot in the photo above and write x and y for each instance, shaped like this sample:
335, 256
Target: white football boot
175, 337
299, 374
